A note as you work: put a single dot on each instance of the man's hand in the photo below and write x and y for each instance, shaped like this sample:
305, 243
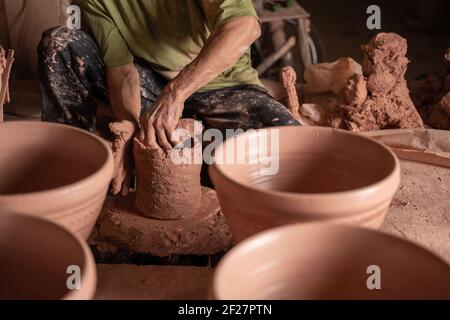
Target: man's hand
158, 123
227, 43
123, 157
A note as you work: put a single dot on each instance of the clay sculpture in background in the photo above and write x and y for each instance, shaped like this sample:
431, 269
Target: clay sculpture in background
363, 98
431, 95
6, 62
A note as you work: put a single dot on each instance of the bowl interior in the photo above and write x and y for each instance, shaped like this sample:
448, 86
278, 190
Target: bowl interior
34, 257
37, 156
304, 160
329, 262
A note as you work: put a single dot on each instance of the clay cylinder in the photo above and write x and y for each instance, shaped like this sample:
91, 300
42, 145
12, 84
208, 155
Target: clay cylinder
167, 189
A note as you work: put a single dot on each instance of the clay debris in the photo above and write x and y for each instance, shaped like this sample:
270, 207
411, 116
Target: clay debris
374, 98
431, 95
288, 78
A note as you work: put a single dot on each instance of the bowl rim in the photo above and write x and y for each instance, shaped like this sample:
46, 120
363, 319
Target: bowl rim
106, 167
395, 172
256, 240
89, 272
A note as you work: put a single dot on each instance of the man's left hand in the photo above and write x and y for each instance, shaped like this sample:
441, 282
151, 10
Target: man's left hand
123, 158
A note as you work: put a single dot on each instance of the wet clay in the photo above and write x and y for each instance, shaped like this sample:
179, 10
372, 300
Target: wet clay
376, 98
331, 76
288, 79
431, 95
164, 189
388, 105
121, 226
170, 213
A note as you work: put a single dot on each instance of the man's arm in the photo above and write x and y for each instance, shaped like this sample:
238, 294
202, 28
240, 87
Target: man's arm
124, 92
227, 43
222, 50
125, 99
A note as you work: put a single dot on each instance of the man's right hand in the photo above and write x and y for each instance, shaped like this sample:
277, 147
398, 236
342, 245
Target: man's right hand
123, 155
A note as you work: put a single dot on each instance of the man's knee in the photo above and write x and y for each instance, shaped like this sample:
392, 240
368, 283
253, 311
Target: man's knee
57, 39
271, 113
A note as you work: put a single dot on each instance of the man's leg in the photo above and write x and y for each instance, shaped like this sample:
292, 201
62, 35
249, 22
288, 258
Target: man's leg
72, 74
73, 80
243, 107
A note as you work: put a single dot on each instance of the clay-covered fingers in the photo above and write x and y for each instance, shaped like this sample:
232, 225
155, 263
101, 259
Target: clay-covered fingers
143, 129
119, 174
147, 133
123, 130
161, 136
125, 188
117, 182
174, 140
123, 169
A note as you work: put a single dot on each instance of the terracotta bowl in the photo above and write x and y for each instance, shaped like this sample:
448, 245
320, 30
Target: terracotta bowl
54, 171
329, 261
35, 254
324, 175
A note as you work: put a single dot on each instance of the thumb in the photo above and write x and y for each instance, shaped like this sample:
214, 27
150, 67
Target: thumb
115, 128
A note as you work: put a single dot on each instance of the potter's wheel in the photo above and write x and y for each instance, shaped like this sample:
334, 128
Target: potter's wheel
205, 233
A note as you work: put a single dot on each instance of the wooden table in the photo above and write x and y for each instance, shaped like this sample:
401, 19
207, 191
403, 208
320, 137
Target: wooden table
294, 12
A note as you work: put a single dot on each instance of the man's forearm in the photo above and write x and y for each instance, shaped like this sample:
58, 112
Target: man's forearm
124, 92
222, 50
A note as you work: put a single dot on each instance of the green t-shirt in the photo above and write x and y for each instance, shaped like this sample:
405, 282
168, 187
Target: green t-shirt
168, 34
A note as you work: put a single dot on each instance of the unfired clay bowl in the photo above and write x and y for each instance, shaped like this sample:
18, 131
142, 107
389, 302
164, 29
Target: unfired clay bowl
329, 261
54, 171
324, 175
35, 254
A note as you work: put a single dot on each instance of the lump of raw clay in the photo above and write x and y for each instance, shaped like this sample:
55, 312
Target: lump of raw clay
168, 189
330, 77
355, 90
385, 62
431, 95
288, 78
327, 85
388, 104
170, 213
